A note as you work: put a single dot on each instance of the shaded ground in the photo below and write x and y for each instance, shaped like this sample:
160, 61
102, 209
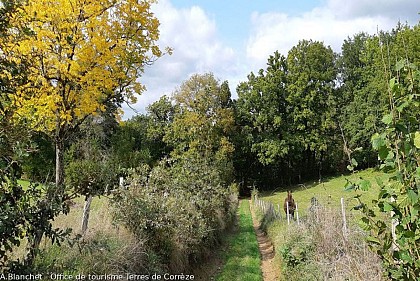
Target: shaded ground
215, 261
268, 268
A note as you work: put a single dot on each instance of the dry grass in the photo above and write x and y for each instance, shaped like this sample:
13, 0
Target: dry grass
319, 248
100, 219
105, 248
340, 254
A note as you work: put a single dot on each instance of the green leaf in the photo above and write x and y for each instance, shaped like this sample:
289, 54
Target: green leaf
406, 256
373, 240
403, 105
365, 185
417, 139
383, 152
392, 83
413, 196
377, 141
387, 207
401, 127
398, 66
379, 181
387, 119
354, 162
414, 214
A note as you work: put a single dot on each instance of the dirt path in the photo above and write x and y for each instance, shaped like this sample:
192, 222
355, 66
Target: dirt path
269, 270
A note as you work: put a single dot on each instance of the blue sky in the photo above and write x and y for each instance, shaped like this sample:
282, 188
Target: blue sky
231, 38
232, 17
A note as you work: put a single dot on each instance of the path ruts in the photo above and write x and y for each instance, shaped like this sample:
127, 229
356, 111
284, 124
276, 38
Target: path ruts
268, 268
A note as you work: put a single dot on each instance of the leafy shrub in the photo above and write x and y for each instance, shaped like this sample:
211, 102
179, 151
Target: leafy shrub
179, 208
298, 249
398, 201
27, 213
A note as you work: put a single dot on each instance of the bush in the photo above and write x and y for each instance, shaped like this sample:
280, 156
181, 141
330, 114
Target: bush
298, 249
179, 208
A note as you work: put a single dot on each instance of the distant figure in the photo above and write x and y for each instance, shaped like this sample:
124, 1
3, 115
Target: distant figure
289, 201
314, 204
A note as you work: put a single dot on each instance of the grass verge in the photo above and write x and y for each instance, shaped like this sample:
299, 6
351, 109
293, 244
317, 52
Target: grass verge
317, 249
243, 256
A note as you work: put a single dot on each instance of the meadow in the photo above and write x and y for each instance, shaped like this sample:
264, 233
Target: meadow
318, 248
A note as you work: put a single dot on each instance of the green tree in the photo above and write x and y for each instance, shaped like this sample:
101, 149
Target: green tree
160, 115
69, 64
362, 100
131, 145
203, 121
311, 96
262, 141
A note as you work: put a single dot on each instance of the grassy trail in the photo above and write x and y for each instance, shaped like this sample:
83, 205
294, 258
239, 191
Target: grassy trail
243, 256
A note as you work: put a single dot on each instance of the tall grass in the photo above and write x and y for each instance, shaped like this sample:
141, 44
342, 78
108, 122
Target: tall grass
105, 248
243, 256
318, 249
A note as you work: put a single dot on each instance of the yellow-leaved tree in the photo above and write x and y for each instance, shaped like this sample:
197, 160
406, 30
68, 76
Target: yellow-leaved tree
81, 55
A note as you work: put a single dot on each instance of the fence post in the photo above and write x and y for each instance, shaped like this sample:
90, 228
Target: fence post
343, 212
272, 210
394, 224
288, 214
122, 183
297, 213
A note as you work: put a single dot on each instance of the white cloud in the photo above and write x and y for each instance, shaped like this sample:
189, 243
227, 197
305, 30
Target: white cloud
196, 49
404, 10
330, 24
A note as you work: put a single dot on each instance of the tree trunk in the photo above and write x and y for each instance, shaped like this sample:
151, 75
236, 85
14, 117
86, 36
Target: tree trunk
86, 212
33, 247
59, 163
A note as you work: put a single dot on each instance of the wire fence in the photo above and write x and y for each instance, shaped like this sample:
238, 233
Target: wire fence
276, 212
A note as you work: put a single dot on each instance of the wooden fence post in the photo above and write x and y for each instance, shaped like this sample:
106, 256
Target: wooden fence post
343, 212
297, 214
288, 214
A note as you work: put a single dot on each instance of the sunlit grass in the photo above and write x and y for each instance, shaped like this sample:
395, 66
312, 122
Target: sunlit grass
243, 256
328, 193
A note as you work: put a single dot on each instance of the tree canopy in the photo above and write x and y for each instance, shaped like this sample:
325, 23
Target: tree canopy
81, 56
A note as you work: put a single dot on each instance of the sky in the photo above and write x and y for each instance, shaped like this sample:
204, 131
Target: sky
232, 38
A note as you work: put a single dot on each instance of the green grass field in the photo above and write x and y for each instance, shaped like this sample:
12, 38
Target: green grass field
328, 193
243, 256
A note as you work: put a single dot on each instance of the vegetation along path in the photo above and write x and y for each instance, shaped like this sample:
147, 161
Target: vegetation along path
243, 257
269, 270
